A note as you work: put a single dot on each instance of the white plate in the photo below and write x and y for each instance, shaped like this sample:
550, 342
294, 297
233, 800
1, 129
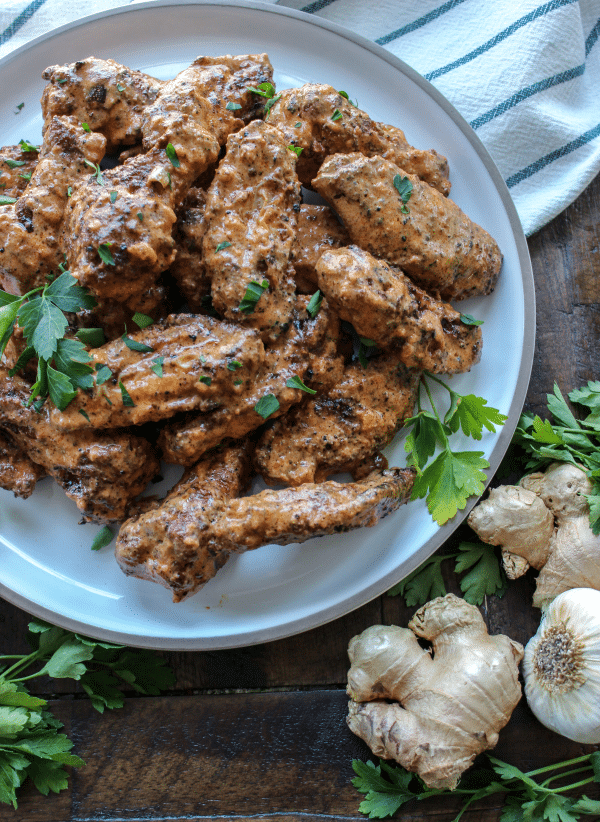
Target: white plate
46, 566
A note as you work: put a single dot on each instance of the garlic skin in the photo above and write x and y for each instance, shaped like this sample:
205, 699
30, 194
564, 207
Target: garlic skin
561, 666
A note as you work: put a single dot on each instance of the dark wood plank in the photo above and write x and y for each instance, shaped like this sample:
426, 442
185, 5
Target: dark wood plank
261, 756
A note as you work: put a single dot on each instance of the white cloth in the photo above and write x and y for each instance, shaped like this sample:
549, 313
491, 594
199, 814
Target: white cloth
524, 73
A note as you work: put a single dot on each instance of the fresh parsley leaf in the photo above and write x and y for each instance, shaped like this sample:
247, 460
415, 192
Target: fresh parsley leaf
314, 304
43, 324
142, 320
270, 103
7, 200
233, 365
97, 175
206, 380
296, 149
126, 398
67, 295
264, 89
94, 337
85, 415
120, 88
172, 155
26, 176
103, 373
85, 127
424, 583
267, 405
485, 577
15, 163
103, 538
472, 415
222, 245
140, 216
404, 188
231, 106
337, 114
106, 254
254, 292
157, 366
296, 382
467, 319
134, 345
113, 196
449, 481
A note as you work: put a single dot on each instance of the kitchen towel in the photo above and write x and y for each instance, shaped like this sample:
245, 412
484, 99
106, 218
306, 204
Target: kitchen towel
524, 74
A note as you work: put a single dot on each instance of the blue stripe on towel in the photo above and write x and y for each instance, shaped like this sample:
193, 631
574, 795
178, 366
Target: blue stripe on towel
538, 165
592, 38
19, 21
417, 24
502, 35
317, 6
526, 92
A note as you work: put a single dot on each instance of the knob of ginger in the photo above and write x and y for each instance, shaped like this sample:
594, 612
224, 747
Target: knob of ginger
449, 701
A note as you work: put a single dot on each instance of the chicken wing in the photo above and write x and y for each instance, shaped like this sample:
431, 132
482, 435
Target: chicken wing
386, 307
184, 442
30, 228
106, 95
317, 231
342, 429
425, 234
321, 122
184, 542
250, 216
102, 471
186, 362
16, 169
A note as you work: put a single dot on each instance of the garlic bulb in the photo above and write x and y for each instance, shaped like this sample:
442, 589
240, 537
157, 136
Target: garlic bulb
561, 666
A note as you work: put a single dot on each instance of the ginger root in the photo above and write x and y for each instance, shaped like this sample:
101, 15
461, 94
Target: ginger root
543, 523
451, 700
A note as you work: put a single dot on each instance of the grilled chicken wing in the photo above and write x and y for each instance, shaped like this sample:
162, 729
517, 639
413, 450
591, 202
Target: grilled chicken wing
17, 471
321, 122
317, 231
188, 267
16, 169
430, 238
184, 542
186, 362
102, 471
386, 307
106, 95
30, 228
118, 237
184, 442
250, 216
342, 429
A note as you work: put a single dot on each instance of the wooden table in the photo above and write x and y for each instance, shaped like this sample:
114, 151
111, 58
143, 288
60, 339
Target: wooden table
259, 733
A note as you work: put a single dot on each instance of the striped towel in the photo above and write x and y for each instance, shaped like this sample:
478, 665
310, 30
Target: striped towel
524, 74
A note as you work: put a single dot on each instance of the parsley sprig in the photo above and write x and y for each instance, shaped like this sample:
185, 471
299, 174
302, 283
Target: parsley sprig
483, 576
453, 476
30, 743
388, 787
63, 364
566, 439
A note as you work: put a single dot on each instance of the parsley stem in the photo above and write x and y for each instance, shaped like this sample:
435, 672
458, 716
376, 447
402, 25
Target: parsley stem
24, 662
575, 785
430, 398
559, 765
566, 774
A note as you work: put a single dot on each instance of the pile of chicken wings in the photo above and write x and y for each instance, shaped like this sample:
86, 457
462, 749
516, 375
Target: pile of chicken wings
260, 304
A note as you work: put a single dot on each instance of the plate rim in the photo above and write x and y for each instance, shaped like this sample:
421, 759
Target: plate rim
338, 610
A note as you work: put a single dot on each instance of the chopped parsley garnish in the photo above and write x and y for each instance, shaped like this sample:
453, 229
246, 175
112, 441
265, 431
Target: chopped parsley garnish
103, 373
297, 125
120, 88
103, 538
345, 94
404, 188
134, 345
296, 149
26, 176
4, 200
206, 380
270, 103
337, 114
172, 155
254, 292
267, 405
157, 366
19, 107
85, 127
296, 382
314, 304
113, 196
264, 89
105, 253
94, 337
467, 319
85, 415
69, 191
26, 146
15, 163
238, 382
140, 216
233, 106
127, 401
233, 365
61, 80
97, 175
222, 245
142, 320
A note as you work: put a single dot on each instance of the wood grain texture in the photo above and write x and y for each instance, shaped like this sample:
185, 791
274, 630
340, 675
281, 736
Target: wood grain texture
285, 756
